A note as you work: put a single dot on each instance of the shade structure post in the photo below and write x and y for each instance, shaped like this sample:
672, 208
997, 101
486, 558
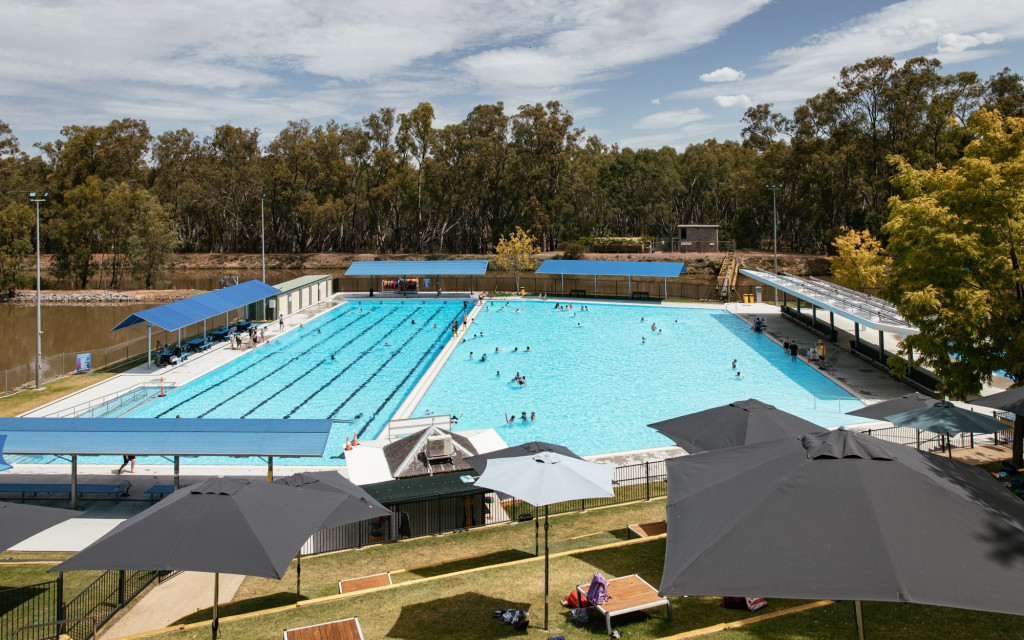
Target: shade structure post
595, 295
298, 573
629, 285
858, 614
177, 469
563, 284
666, 288
204, 329
546, 567
881, 346
74, 481
536, 536
179, 337
270, 468
149, 347
216, 597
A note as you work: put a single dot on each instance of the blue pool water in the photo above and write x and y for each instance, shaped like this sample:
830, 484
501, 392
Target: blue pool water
595, 384
355, 363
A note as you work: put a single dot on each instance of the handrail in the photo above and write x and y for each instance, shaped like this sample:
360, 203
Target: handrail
75, 410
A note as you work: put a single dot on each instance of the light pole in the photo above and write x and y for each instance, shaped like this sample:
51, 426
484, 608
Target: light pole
39, 306
775, 234
263, 239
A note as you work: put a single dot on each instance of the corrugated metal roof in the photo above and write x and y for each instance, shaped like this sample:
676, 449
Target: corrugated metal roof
613, 268
163, 436
417, 268
182, 313
414, 489
298, 283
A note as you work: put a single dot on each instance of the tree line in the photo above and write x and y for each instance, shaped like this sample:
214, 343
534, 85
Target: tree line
121, 200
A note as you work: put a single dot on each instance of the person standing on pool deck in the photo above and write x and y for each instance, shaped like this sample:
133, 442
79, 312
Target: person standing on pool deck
127, 458
280, 324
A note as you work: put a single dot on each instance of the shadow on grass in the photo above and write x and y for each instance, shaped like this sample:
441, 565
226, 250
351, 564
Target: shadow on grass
458, 617
471, 563
242, 606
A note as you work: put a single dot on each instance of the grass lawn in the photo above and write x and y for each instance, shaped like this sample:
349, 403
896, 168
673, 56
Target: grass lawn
433, 603
17, 404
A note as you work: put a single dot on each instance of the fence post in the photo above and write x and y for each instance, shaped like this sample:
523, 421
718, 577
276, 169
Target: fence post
647, 471
61, 613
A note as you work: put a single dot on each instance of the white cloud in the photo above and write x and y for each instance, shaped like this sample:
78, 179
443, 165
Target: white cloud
725, 74
656, 101
670, 119
957, 42
729, 102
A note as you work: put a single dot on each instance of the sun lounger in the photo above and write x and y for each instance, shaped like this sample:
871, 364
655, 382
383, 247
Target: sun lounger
366, 582
628, 594
347, 629
647, 529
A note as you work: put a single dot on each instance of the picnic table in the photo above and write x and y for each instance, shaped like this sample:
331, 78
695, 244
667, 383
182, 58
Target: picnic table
628, 594
220, 334
197, 345
61, 488
243, 326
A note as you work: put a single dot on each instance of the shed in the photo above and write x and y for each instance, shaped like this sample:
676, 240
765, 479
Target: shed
698, 238
295, 294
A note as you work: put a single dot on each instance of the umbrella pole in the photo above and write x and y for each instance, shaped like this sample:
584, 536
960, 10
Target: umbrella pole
536, 536
298, 573
545, 567
216, 597
858, 613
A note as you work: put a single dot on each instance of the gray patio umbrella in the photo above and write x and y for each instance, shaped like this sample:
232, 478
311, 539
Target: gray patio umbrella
733, 425
842, 515
946, 419
543, 479
479, 463
880, 410
225, 525
356, 505
21, 521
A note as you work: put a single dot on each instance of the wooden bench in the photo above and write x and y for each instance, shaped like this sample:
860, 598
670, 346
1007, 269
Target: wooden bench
628, 594
647, 529
577, 292
60, 488
347, 629
159, 490
640, 295
366, 582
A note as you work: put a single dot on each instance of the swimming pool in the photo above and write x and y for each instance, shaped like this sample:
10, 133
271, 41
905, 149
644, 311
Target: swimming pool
596, 378
354, 364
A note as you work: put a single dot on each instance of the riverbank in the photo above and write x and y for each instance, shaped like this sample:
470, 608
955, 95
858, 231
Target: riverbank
94, 297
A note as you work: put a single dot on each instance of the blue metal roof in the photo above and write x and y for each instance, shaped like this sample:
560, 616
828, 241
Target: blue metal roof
182, 313
417, 268
612, 268
165, 436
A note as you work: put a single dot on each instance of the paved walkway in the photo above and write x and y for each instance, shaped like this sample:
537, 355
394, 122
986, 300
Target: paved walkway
171, 601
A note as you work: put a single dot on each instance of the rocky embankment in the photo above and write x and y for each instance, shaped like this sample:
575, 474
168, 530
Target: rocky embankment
97, 297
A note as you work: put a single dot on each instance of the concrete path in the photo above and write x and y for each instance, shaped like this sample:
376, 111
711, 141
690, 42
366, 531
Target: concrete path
171, 601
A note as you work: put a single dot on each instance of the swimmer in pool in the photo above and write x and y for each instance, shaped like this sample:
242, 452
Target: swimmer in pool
523, 417
733, 364
498, 374
496, 349
643, 339
533, 415
516, 377
483, 357
470, 355
527, 348
739, 375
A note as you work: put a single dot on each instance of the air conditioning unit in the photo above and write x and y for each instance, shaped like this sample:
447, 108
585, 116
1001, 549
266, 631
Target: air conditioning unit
440, 448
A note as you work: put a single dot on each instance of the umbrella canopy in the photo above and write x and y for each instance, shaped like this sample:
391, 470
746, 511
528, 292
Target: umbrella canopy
880, 410
479, 463
545, 478
20, 521
356, 505
733, 425
842, 515
1011, 400
225, 525
946, 418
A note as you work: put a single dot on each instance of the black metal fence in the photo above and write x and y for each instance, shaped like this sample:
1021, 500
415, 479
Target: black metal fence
39, 610
927, 441
29, 605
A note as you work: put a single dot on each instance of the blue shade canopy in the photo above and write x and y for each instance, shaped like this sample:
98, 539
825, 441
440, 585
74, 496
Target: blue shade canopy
3, 463
165, 436
417, 268
612, 268
182, 313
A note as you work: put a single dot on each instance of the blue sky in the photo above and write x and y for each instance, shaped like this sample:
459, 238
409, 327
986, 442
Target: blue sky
640, 73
